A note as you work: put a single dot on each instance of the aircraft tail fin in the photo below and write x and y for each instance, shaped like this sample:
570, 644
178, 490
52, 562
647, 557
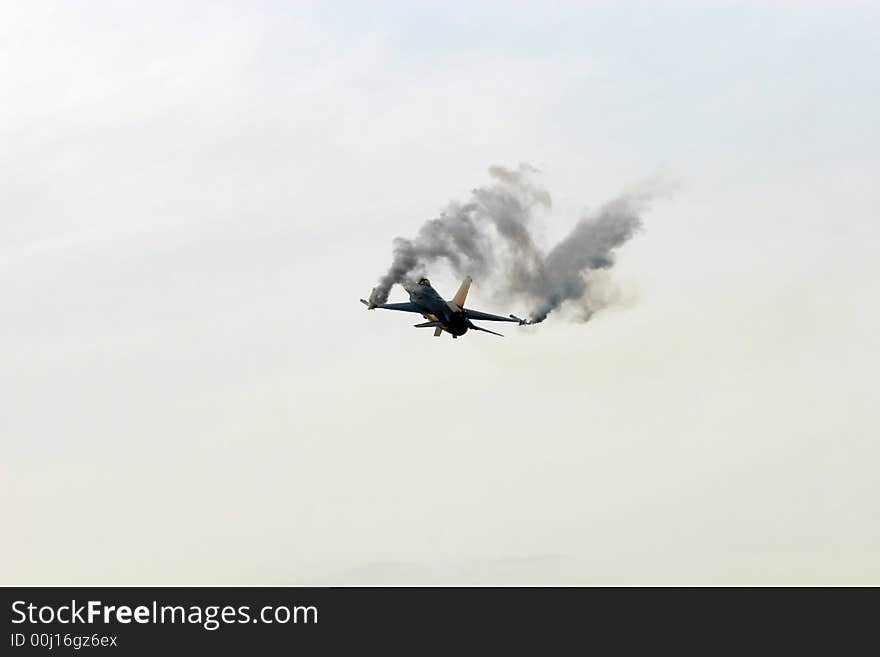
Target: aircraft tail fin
461, 295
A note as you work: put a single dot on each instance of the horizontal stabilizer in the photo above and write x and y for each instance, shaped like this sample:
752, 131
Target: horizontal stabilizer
428, 325
477, 328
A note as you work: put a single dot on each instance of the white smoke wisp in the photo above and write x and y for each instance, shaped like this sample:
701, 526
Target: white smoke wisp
489, 238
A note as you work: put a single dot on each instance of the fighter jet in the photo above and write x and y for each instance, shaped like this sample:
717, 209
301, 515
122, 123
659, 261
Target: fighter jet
450, 316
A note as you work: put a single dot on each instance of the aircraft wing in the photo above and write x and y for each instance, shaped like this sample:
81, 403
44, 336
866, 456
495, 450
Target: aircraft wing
476, 314
405, 307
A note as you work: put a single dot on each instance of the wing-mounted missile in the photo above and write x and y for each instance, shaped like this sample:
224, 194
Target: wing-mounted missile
369, 304
522, 322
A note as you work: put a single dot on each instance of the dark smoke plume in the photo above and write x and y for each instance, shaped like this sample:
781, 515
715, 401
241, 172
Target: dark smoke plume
489, 238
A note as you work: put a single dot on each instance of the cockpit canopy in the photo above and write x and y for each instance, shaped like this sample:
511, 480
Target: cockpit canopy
424, 281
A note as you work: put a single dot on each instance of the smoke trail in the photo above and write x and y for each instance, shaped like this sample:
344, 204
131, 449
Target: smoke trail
489, 238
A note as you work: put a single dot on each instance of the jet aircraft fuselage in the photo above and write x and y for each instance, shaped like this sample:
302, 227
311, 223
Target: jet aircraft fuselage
434, 307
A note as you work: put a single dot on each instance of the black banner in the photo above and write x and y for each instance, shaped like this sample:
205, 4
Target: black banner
148, 621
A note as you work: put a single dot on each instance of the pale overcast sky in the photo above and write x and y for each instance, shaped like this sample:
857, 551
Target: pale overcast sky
195, 195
